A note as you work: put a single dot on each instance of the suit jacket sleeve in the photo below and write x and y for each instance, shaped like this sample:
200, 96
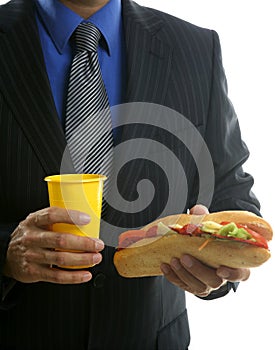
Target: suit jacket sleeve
228, 151
5, 283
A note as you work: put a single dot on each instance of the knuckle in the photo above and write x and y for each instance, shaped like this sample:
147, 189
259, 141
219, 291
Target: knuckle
49, 214
74, 278
33, 218
23, 225
46, 216
30, 217
28, 257
26, 237
18, 232
85, 243
60, 240
87, 260
28, 269
57, 276
52, 211
60, 277
60, 259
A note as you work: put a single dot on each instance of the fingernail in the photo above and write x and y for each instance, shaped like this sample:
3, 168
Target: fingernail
96, 258
86, 277
176, 264
165, 269
84, 219
99, 245
187, 261
223, 273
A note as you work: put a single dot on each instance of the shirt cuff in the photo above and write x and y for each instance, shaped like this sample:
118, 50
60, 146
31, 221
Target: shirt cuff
222, 291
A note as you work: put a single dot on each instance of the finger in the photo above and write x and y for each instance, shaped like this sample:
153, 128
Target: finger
66, 241
52, 215
172, 277
60, 258
53, 275
199, 209
195, 284
200, 290
233, 275
203, 273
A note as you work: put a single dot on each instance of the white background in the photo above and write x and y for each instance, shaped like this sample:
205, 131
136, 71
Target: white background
244, 320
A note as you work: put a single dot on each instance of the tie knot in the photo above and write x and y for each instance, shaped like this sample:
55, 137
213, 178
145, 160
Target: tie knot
87, 37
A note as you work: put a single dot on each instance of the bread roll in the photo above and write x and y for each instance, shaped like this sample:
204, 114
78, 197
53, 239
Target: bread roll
143, 258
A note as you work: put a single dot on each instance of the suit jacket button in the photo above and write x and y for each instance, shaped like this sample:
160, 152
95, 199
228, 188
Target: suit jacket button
99, 280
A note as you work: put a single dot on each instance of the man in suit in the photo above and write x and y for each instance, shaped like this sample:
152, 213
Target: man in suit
160, 59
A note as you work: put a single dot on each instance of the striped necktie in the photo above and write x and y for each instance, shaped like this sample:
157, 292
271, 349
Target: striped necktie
88, 126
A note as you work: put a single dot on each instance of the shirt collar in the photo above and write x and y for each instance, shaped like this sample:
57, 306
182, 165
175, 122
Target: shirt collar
61, 22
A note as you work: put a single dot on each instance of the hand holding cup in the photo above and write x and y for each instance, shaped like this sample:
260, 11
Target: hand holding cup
34, 248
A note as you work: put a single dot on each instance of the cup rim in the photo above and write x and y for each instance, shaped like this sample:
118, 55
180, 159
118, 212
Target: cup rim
75, 178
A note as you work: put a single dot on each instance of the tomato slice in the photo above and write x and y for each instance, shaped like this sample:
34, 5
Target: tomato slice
260, 240
189, 229
223, 223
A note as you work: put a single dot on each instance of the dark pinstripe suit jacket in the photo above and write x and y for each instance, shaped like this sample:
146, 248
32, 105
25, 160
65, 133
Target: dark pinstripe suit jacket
169, 62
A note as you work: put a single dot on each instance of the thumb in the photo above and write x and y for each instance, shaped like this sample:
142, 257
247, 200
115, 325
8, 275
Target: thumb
199, 209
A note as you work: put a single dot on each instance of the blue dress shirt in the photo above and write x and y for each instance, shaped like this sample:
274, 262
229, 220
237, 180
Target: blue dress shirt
56, 24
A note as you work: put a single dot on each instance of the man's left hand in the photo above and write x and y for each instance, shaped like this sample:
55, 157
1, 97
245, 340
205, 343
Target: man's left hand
195, 277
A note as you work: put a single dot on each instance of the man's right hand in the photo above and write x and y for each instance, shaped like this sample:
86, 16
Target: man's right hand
31, 252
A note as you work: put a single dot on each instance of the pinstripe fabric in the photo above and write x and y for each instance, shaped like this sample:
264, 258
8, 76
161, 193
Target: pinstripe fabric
33, 107
18, 159
184, 73
88, 124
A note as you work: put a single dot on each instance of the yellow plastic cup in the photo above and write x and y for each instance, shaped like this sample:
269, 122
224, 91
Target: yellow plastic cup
82, 192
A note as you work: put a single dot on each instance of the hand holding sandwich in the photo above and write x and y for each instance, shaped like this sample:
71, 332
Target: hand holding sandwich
191, 275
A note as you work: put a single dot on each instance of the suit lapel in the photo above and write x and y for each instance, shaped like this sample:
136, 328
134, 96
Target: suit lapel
24, 82
148, 57
25, 86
